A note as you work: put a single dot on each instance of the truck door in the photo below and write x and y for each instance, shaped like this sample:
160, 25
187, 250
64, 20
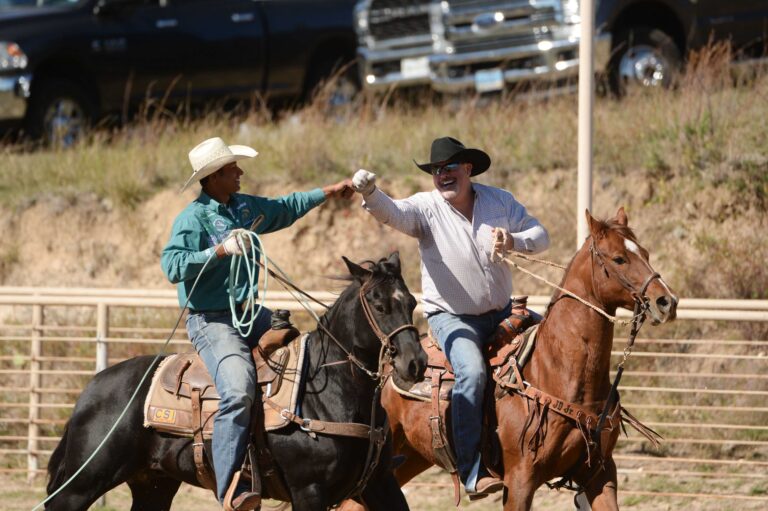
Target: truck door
743, 22
135, 49
223, 43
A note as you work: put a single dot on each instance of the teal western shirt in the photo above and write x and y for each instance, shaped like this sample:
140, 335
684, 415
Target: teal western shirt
205, 223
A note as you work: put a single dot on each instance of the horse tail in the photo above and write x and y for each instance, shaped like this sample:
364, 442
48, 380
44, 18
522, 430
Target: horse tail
56, 465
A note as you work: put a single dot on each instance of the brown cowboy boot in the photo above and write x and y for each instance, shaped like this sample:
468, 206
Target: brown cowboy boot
485, 486
246, 501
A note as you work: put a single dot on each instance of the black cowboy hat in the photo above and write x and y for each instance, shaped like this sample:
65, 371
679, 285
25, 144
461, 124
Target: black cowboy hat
447, 150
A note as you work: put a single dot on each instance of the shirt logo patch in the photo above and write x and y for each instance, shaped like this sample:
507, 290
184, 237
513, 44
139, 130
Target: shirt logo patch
245, 215
219, 224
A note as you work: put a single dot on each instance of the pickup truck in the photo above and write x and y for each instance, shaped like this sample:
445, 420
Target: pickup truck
65, 64
489, 45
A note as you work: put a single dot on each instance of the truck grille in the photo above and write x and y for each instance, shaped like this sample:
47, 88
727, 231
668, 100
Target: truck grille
523, 24
398, 19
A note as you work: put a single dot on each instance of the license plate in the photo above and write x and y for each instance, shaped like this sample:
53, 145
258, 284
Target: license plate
415, 67
489, 80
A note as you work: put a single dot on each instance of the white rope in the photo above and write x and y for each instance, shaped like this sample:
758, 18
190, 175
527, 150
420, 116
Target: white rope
250, 261
612, 319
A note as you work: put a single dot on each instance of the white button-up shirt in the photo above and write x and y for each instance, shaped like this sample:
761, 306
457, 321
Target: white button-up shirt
457, 273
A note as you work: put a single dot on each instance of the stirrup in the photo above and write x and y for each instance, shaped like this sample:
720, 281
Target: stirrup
251, 501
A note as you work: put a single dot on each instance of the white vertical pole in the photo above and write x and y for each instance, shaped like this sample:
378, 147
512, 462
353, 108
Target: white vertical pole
33, 429
102, 332
586, 102
102, 354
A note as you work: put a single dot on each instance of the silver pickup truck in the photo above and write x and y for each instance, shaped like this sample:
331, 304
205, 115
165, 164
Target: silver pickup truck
459, 45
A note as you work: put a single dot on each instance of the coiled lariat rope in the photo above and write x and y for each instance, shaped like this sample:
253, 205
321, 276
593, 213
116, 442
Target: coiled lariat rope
247, 240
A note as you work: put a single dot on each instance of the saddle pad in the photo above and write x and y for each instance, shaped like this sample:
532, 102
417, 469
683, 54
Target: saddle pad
168, 405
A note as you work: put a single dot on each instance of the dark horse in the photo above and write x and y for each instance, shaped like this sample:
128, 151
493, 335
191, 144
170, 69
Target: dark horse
318, 472
571, 363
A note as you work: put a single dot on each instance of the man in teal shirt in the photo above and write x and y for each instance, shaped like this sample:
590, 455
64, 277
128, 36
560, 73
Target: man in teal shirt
202, 233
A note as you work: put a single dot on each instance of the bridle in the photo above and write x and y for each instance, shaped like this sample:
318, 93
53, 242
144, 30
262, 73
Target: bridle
641, 301
386, 353
388, 349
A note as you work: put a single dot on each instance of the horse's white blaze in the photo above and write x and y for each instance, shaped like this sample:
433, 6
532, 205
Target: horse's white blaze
632, 247
398, 295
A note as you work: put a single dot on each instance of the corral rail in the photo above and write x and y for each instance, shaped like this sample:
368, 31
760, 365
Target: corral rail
706, 396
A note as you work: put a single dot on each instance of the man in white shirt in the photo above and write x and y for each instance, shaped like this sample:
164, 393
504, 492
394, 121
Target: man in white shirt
466, 293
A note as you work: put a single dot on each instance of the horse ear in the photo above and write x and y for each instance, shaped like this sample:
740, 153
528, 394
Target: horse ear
595, 228
621, 217
358, 272
394, 260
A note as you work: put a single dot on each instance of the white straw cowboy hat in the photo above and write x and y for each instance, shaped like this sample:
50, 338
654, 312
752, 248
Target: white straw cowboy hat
210, 155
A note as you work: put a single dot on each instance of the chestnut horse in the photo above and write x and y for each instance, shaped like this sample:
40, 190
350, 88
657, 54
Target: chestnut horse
571, 362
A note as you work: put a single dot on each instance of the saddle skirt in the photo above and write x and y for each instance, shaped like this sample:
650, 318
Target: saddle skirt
182, 398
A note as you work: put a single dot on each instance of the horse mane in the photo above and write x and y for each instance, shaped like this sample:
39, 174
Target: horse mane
380, 272
602, 226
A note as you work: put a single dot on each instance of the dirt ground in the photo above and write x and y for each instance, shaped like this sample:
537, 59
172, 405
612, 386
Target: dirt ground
432, 491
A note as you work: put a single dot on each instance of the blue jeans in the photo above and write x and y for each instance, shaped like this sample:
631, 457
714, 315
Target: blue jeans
461, 337
227, 356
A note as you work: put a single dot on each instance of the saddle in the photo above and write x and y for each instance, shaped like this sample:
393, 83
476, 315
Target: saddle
506, 354
183, 401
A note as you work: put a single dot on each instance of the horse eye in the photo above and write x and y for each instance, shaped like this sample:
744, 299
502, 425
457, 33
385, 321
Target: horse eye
619, 260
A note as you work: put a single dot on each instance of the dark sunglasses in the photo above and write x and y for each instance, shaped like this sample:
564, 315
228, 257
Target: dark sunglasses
436, 171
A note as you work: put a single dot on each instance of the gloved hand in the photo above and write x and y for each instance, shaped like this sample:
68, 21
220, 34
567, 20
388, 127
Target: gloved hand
502, 244
364, 182
234, 247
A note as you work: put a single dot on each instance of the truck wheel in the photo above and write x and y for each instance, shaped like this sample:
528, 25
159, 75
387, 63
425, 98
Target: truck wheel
60, 113
333, 82
643, 56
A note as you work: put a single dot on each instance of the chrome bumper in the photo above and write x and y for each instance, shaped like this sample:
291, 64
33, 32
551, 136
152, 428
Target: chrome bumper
552, 67
14, 92
375, 80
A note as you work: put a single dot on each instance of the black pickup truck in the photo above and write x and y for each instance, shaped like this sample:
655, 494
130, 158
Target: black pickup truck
65, 64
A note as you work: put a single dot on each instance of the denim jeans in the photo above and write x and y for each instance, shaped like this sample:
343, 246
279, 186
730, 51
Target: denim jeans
227, 356
461, 337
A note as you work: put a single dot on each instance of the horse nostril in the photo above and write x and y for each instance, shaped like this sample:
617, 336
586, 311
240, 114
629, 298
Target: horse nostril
663, 304
416, 368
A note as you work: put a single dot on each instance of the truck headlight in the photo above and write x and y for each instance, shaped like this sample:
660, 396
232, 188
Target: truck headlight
571, 13
11, 56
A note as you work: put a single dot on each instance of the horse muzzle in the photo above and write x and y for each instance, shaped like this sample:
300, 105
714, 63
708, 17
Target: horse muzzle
663, 309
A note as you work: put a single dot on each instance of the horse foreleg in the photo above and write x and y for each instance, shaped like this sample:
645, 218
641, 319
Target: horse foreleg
153, 494
413, 465
384, 494
518, 490
601, 488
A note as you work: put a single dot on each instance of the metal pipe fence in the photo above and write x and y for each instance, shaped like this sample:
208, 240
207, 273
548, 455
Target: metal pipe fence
707, 397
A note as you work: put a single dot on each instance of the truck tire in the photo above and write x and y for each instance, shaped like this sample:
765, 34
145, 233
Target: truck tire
60, 113
334, 82
645, 57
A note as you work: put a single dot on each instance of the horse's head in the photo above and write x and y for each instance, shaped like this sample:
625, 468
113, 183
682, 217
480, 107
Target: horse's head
388, 306
621, 271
